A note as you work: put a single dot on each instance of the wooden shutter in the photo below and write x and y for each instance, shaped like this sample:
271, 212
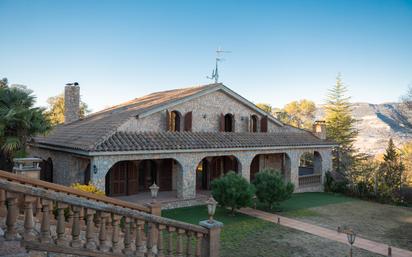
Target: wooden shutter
249, 123
233, 123
264, 124
168, 120
222, 123
188, 122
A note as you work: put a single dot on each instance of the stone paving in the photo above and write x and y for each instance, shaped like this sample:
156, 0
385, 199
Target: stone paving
326, 233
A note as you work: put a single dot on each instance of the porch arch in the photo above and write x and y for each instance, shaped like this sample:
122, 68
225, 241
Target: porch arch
213, 167
275, 161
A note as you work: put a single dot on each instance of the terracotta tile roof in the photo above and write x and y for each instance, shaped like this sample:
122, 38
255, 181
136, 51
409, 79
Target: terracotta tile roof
92, 130
149, 141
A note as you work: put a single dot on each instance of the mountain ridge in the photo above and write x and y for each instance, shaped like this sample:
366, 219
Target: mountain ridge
377, 123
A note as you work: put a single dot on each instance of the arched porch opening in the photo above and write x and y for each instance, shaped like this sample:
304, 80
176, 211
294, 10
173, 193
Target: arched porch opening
310, 163
211, 168
277, 161
134, 177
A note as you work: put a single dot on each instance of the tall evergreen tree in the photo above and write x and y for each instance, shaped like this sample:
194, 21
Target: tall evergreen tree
390, 174
340, 126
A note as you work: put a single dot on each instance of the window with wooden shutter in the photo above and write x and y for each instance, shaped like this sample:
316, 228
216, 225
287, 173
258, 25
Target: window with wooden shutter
168, 126
253, 123
264, 124
188, 122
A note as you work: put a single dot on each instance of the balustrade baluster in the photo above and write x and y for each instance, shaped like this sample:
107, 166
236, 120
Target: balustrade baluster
170, 241
3, 209
82, 214
38, 209
76, 242
28, 234
90, 238
139, 238
115, 236
127, 237
189, 244
199, 238
45, 222
102, 233
160, 247
179, 247
149, 241
61, 224
70, 216
11, 218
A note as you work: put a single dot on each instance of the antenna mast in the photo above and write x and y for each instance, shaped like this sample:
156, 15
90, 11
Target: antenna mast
215, 72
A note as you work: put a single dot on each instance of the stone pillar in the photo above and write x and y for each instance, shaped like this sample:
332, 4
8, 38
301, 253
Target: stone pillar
211, 243
71, 102
245, 162
186, 178
326, 155
98, 170
294, 156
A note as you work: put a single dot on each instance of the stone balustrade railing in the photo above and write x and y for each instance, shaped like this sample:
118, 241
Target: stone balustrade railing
309, 180
71, 191
51, 221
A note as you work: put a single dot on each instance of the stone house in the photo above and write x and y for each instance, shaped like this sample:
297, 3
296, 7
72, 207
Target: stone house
181, 140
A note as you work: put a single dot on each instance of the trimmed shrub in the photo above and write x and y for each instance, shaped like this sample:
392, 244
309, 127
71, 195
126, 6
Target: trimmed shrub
271, 189
233, 191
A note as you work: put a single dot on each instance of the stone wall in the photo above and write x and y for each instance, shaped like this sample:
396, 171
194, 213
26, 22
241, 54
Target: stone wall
67, 168
206, 111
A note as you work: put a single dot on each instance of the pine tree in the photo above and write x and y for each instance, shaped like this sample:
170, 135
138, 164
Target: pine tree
340, 126
390, 174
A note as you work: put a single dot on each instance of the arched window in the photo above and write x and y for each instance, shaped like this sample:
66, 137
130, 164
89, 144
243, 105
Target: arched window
253, 123
229, 123
175, 121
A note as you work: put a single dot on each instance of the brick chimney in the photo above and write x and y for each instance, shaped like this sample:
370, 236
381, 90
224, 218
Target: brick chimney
71, 102
319, 129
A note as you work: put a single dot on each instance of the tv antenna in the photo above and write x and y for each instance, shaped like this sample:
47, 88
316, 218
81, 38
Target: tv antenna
215, 72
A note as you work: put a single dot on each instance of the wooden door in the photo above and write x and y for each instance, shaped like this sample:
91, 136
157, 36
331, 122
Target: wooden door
216, 168
117, 178
132, 179
165, 175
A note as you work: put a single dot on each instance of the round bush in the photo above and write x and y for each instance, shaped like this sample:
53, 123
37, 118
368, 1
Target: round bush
271, 189
233, 191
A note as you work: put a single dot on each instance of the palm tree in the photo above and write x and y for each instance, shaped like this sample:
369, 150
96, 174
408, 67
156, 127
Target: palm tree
19, 120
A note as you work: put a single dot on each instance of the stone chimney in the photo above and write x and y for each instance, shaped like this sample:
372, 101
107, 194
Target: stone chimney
71, 102
319, 129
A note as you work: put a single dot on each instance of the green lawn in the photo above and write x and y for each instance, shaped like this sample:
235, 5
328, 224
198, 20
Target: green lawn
245, 236
303, 201
379, 222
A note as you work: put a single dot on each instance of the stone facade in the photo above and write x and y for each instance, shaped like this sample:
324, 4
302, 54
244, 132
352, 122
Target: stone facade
206, 111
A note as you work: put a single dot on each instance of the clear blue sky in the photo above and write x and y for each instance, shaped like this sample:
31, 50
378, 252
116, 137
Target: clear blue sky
281, 50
